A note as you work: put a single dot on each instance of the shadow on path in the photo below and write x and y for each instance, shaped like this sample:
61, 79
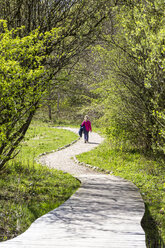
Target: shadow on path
105, 212
93, 143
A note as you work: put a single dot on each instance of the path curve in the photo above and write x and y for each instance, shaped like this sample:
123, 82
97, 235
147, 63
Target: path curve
105, 212
62, 160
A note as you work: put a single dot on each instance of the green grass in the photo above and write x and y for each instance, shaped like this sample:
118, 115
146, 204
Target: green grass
41, 139
29, 190
148, 175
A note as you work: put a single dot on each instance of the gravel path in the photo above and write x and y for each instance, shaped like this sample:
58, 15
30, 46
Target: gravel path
105, 212
62, 160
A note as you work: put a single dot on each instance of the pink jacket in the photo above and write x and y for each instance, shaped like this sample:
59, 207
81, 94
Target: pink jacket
87, 125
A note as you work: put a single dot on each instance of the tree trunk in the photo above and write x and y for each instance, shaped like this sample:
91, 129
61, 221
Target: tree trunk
58, 104
50, 112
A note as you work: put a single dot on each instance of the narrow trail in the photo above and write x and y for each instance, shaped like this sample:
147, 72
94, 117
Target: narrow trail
62, 160
105, 212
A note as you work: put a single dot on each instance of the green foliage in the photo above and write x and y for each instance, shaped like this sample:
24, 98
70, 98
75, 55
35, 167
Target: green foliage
21, 86
130, 82
144, 33
31, 57
29, 190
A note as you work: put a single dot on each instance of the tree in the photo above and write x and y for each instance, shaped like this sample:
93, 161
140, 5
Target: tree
21, 86
31, 60
143, 29
132, 50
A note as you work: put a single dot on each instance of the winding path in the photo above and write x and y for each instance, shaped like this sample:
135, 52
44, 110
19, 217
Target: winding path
105, 212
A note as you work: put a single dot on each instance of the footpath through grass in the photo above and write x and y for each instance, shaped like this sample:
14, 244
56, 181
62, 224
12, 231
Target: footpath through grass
147, 174
29, 190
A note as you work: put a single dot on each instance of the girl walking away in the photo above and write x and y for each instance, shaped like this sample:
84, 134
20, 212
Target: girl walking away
87, 127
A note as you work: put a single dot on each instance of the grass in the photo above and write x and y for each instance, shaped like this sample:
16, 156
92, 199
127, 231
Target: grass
147, 174
29, 190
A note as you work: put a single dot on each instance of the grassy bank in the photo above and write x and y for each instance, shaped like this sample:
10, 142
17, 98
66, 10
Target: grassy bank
29, 190
146, 173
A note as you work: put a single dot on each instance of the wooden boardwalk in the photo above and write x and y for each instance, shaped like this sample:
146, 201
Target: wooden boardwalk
104, 213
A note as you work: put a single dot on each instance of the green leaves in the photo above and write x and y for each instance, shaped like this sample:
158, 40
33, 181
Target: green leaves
140, 39
21, 71
33, 55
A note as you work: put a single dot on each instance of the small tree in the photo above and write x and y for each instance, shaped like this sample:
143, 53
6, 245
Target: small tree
21, 86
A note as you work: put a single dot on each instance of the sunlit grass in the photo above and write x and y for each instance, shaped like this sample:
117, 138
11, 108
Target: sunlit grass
29, 190
41, 139
146, 173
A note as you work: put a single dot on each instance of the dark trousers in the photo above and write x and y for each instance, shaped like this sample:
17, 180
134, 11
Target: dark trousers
86, 135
